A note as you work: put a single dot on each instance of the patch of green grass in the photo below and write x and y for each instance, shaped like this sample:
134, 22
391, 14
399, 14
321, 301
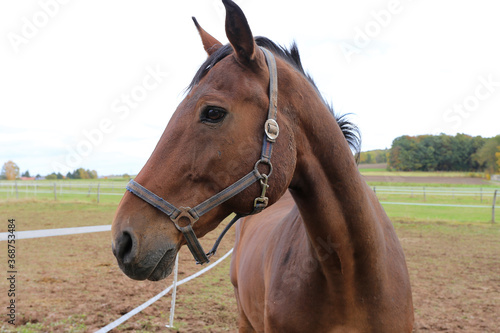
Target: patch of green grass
34, 214
438, 197
453, 174
448, 227
436, 214
396, 184
65, 190
372, 171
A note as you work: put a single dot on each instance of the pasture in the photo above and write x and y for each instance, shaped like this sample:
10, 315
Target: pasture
72, 283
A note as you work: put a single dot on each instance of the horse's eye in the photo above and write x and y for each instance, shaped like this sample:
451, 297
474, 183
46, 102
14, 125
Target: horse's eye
213, 115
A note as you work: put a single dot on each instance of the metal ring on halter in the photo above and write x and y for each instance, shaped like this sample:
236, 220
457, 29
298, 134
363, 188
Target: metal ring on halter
263, 162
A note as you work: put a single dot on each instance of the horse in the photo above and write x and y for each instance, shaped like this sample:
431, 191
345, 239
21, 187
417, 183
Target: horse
314, 249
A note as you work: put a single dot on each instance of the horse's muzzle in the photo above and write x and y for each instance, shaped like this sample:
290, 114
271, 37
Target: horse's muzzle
150, 261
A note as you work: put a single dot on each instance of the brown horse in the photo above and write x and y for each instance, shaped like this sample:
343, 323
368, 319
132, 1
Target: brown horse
324, 256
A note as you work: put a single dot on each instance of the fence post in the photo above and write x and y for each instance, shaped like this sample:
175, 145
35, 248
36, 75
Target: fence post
481, 190
174, 293
17, 192
98, 188
493, 207
375, 190
424, 194
88, 194
55, 191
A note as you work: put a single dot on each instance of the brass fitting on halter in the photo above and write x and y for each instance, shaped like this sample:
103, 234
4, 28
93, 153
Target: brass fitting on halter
261, 202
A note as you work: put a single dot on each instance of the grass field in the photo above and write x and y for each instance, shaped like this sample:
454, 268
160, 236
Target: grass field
380, 169
72, 283
102, 191
453, 174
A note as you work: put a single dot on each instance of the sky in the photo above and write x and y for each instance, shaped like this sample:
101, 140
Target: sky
93, 84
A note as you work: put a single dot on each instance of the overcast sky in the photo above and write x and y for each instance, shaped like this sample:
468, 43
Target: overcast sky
93, 84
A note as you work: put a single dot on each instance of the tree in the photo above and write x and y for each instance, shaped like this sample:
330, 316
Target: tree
10, 171
26, 174
92, 174
382, 156
52, 176
486, 156
497, 155
441, 153
373, 156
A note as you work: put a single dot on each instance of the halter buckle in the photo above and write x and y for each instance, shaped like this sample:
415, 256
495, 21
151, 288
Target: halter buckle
184, 213
272, 130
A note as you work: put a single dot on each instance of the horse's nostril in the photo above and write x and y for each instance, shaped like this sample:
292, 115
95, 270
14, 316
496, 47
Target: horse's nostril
124, 248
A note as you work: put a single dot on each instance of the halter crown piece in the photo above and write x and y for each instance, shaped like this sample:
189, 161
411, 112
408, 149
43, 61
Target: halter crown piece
184, 217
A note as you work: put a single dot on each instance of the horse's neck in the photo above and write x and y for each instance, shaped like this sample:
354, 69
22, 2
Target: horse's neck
330, 193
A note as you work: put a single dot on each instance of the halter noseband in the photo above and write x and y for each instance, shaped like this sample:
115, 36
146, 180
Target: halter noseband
184, 217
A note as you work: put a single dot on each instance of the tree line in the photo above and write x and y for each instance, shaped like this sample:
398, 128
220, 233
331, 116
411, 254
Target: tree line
445, 153
11, 171
373, 156
79, 173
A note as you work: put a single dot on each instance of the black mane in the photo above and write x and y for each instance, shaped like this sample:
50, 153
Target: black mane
351, 131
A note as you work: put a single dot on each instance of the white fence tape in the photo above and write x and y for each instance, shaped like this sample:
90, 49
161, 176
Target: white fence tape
55, 232
160, 295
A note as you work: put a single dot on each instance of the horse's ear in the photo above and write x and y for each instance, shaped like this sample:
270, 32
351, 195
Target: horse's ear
209, 43
238, 32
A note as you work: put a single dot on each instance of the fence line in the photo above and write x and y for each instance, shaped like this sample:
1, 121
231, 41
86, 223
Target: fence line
55, 232
431, 204
117, 188
97, 189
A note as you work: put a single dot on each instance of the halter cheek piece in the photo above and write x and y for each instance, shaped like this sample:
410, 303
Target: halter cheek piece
184, 217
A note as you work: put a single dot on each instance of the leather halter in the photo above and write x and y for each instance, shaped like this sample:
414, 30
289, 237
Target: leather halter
185, 217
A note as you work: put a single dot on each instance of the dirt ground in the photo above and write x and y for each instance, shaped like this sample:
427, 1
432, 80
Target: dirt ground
455, 276
72, 284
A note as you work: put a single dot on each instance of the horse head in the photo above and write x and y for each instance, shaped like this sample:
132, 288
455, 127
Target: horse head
213, 139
